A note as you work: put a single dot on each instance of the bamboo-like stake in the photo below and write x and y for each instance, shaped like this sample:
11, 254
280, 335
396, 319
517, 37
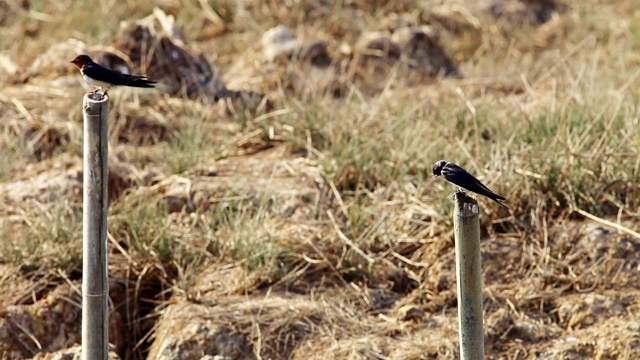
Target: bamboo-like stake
469, 280
95, 286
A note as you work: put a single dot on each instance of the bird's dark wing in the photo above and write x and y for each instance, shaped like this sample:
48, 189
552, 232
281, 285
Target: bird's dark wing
496, 196
103, 74
460, 177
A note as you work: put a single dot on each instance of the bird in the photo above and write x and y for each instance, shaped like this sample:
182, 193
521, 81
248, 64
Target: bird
461, 178
97, 75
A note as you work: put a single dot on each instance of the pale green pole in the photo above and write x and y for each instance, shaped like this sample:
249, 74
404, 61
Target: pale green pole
466, 225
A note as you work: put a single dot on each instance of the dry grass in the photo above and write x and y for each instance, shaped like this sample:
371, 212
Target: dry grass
320, 205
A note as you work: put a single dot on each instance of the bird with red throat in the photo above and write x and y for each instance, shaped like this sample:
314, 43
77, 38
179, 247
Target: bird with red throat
97, 75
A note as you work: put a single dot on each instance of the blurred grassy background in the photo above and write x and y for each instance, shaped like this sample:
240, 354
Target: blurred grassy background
546, 114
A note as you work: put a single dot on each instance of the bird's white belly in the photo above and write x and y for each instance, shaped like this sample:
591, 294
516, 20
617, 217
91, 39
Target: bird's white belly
95, 82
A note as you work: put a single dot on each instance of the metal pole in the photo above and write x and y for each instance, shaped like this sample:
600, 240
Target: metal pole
469, 280
95, 286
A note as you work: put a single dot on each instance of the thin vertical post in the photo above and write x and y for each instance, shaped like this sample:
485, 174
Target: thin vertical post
466, 225
95, 286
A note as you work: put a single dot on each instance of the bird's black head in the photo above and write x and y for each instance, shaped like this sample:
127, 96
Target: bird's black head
437, 167
81, 60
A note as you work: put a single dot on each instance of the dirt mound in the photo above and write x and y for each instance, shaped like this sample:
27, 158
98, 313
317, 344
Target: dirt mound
156, 44
47, 325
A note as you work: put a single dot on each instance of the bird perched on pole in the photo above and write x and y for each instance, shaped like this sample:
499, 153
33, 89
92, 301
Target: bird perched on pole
461, 178
97, 75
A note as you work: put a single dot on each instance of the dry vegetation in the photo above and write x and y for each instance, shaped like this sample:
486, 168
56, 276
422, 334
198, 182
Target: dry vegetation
304, 225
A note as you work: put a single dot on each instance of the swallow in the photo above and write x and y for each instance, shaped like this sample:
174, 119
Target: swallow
462, 179
97, 75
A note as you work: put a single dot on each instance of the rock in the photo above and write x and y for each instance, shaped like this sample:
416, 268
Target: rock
8, 68
378, 48
279, 42
421, 45
410, 313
